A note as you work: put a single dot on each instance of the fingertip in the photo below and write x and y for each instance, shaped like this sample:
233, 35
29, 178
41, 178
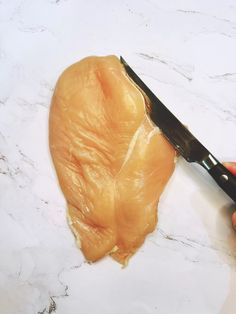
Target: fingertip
231, 166
234, 220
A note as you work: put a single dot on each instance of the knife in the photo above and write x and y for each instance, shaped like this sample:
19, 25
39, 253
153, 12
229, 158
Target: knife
182, 139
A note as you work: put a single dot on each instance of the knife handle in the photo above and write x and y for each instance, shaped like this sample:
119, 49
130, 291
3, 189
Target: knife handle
224, 178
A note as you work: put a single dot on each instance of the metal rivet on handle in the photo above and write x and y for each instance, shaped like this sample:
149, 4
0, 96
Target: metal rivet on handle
224, 177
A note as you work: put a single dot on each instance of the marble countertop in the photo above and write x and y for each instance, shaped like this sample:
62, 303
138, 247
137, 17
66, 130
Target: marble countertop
185, 51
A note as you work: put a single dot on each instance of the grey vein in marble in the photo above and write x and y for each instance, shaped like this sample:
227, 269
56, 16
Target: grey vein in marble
180, 69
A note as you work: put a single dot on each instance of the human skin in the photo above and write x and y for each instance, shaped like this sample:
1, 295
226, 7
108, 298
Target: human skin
234, 220
231, 166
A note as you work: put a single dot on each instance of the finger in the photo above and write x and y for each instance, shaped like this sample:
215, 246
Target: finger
234, 220
231, 166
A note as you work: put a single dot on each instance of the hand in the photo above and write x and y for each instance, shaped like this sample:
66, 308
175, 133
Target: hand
231, 166
234, 220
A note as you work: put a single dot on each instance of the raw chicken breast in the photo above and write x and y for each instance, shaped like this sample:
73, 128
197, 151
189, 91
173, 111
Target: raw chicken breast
112, 162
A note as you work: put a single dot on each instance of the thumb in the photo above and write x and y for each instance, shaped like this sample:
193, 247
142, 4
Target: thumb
231, 166
234, 220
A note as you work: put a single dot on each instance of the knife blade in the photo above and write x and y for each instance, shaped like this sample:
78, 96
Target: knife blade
182, 139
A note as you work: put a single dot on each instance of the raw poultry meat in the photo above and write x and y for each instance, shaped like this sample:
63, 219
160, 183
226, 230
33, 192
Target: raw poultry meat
112, 162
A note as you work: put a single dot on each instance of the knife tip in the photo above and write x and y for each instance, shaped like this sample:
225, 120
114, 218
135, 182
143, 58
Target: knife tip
122, 60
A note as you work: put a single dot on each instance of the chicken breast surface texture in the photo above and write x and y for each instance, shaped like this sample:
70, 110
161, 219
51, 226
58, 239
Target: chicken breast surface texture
112, 162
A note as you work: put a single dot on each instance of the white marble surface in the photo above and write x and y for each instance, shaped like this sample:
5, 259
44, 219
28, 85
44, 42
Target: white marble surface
186, 52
